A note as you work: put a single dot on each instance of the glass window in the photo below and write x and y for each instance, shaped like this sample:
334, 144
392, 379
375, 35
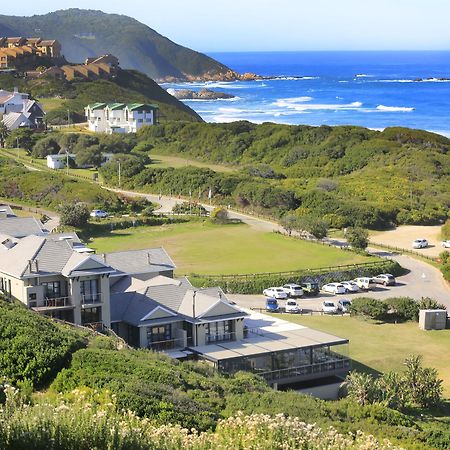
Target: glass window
219, 331
89, 291
159, 333
90, 315
52, 289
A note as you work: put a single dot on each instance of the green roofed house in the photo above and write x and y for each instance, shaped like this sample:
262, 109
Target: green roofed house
120, 117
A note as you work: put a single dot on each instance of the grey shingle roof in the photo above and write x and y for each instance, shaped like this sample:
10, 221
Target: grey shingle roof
136, 262
175, 296
21, 226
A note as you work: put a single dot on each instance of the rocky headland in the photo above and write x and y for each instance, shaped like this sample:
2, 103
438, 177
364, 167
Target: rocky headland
204, 94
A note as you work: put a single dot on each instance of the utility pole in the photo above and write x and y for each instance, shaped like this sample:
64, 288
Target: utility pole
67, 161
17, 140
120, 170
194, 329
68, 117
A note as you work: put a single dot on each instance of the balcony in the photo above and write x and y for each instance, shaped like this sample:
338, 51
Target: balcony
89, 300
317, 370
54, 304
170, 344
223, 337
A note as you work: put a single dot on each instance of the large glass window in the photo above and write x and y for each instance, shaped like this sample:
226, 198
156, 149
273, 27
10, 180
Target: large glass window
219, 331
52, 289
91, 315
89, 291
159, 333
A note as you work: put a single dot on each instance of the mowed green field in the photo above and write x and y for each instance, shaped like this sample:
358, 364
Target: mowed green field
204, 248
384, 347
164, 161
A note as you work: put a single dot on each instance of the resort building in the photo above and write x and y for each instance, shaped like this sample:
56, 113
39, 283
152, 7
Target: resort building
120, 117
134, 293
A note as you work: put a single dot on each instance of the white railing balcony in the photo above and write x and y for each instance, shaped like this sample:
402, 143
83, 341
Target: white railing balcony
52, 303
91, 299
221, 337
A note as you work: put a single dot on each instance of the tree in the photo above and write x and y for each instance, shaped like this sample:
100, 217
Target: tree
24, 137
74, 214
289, 223
357, 237
361, 388
89, 156
4, 133
313, 225
44, 147
219, 215
422, 384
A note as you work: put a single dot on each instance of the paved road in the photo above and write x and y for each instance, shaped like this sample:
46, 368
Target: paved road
423, 280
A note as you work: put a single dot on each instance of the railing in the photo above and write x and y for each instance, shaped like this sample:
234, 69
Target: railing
91, 299
221, 337
401, 250
318, 368
169, 344
59, 302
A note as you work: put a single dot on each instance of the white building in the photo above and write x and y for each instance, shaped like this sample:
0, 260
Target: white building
120, 117
59, 161
18, 110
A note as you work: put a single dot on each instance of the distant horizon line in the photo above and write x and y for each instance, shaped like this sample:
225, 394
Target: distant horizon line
328, 51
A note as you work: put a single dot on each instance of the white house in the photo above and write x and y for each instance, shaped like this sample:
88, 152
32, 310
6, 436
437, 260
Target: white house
18, 110
120, 117
59, 161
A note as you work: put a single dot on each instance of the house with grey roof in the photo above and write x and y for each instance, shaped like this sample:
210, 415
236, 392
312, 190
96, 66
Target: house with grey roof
20, 227
135, 294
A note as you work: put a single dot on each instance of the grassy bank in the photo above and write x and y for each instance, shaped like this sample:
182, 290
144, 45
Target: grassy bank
204, 248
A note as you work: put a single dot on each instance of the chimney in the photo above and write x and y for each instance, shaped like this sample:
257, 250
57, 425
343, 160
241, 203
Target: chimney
149, 259
16, 90
30, 265
104, 257
36, 262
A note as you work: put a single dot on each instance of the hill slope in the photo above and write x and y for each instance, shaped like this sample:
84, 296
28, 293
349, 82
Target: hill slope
128, 86
84, 33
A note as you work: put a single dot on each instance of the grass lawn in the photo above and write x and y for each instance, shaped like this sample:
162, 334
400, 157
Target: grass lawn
176, 161
383, 347
49, 104
203, 248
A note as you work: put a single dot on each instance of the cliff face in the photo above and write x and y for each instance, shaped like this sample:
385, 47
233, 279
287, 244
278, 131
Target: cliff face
85, 33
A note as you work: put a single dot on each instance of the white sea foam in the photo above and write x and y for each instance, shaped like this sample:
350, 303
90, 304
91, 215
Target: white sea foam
394, 108
301, 104
343, 81
363, 75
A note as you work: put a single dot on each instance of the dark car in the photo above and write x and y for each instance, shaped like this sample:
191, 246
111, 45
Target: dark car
310, 288
272, 305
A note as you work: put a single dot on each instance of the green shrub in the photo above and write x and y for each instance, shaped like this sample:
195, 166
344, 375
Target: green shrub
369, 307
403, 309
74, 214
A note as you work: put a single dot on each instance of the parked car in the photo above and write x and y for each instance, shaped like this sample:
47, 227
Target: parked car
292, 307
98, 213
275, 292
293, 290
334, 288
272, 305
310, 288
385, 278
420, 243
344, 305
350, 286
365, 283
329, 308
446, 244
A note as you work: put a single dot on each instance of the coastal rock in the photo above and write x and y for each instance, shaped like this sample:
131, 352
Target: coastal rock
204, 94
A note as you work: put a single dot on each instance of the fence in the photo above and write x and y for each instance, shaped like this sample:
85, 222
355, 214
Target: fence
294, 273
404, 250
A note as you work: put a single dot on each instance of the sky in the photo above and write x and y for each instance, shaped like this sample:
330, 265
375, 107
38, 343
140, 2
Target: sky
277, 25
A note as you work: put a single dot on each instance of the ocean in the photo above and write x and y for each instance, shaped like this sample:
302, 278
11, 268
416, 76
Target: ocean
371, 89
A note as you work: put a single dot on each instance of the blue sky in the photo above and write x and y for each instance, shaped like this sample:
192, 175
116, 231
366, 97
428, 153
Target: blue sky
240, 25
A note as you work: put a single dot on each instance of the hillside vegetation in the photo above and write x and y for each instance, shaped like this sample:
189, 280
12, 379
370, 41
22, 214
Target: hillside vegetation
86, 400
85, 33
128, 86
343, 174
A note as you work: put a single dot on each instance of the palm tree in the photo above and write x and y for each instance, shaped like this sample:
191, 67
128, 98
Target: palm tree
4, 133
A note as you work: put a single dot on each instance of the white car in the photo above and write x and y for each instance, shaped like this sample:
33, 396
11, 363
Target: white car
446, 244
385, 278
350, 286
99, 214
293, 290
329, 308
334, 288
365, 283
420, 243
292, 307
275, 292
344, 305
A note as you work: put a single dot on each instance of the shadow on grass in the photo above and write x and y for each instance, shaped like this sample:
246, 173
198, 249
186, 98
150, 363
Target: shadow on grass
360, 367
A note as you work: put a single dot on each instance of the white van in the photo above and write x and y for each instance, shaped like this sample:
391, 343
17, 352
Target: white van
365, 283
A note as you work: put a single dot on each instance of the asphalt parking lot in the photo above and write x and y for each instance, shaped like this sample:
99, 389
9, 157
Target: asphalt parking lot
314, 304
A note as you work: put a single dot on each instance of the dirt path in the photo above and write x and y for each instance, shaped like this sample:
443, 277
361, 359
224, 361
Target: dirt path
403, 236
